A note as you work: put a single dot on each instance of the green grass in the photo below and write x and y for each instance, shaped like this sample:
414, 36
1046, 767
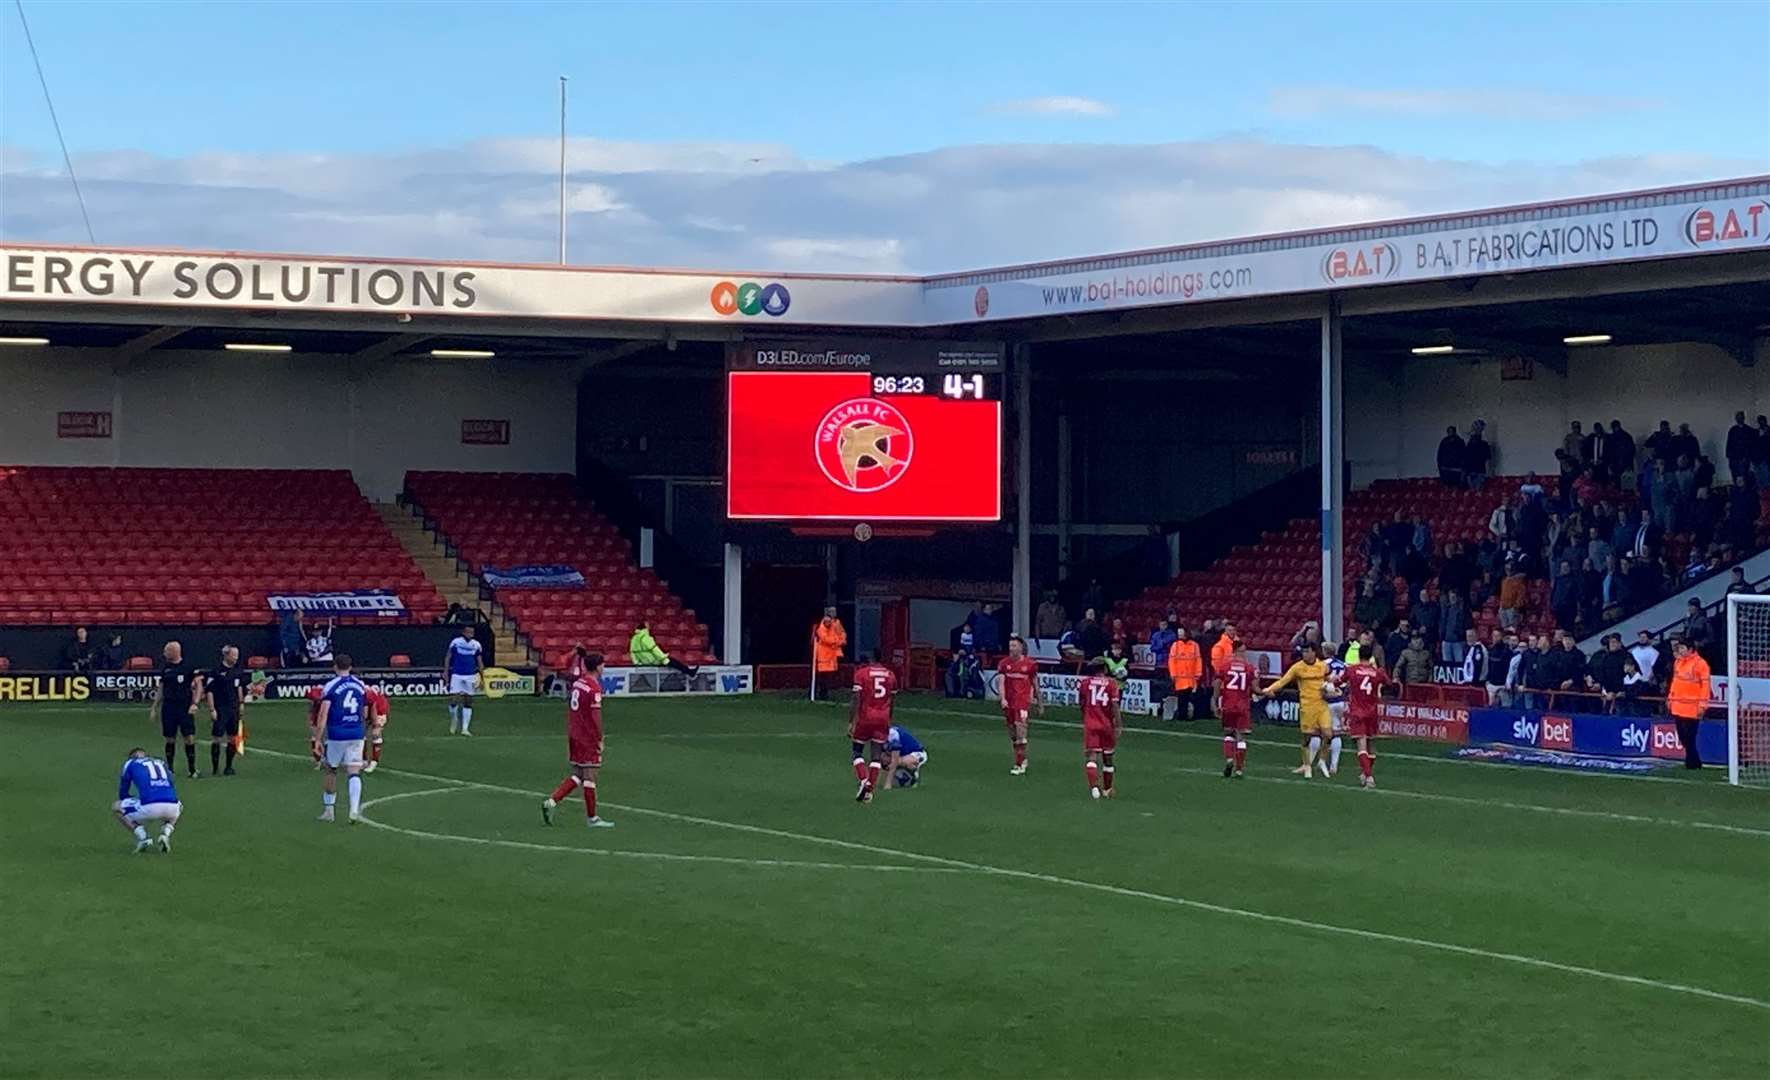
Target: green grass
1037, 933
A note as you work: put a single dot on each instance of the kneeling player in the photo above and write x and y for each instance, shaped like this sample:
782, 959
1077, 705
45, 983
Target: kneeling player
583, 738
1235, 704
869, 722
1101, 723
154, 799
1364, 690
375, 709
904, 758
1018, 687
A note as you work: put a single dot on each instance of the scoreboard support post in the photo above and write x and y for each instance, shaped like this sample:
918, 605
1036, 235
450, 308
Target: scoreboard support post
1333, 487
1020, 589
731, 648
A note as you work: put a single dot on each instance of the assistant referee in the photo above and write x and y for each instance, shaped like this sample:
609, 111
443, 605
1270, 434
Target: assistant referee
175, 703
225, 690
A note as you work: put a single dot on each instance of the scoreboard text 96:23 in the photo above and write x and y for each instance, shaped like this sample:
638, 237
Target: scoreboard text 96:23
864, 431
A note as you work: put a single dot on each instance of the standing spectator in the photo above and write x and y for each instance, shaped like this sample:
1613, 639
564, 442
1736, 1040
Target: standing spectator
1422, 538
1477, 454
1501, 523
1742, 514
828, 638
1645, 587
1119, 636
1474, 658
318, 647
1396, 643
1569, 669
1761, 453
1738, 584
1512, 591
962, 638
1090, 636
1499, 665
1637, 685
1591, 448
1428, 616
1696, 625
1536, 673
1662, 497
1564, 595
1048, 622
1307, 636
1415, 664
1613, 590
1702, 518
1370, 609
1598, 548
1095, 597
1185, 669
1454, 626
1398, 538
1591, 593
1451, 455
1605, 673
988, 629
113, 656
1648, 535
1619, 452
1741, 441
1530, 490
1660, 445
78, 655
1646, 654
1457, 572
1688, 698
1161, 639
1686, 444
1705, 472
1573, 443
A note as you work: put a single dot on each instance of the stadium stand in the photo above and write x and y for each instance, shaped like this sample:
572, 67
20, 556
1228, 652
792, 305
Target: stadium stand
122, 546
525, 519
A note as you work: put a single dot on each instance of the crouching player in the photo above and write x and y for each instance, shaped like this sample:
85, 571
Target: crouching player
1235, 704
869, 722
154, 799
1018, 687
375, 711
1101, 723
904, 758
1364, 691
583, 738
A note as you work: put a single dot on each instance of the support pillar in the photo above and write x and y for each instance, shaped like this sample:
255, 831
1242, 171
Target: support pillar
1333, 488
1020, 591
731, 649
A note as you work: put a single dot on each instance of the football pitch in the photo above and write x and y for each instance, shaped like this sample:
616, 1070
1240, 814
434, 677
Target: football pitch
747, 918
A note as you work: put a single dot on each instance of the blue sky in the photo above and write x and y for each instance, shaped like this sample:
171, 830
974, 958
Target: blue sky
238, 114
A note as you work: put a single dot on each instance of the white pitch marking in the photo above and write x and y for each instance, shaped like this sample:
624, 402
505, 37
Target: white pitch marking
658, 856
1140, 894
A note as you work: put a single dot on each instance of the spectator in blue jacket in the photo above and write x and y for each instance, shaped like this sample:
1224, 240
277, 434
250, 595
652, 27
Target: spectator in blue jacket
1160, 641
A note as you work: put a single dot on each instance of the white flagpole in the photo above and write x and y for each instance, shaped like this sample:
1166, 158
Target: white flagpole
562, 80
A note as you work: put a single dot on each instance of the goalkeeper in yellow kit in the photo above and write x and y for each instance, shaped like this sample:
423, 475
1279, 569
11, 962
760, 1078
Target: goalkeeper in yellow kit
1313, 718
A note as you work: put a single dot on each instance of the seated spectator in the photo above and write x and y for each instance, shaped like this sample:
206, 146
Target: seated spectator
78, 655
1697, 568
962, 638
1738, 584
1069, 646
1122, 637
1451, 455
1512, 593
113, 656
964, 676
644, 651
1476, 456
1586, 488
1415, 662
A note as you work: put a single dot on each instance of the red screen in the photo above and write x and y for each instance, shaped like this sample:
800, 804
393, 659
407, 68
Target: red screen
803, 446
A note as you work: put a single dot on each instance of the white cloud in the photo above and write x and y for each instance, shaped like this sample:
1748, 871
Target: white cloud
712, 205
1055, 106
1493, 103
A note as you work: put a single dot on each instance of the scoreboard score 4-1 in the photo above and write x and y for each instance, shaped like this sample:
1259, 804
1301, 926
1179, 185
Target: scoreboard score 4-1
847, 430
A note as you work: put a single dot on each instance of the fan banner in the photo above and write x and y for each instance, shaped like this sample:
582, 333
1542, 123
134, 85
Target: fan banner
353, 602
533, 577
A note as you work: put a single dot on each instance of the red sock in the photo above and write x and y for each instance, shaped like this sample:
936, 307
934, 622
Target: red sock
565, 788
1019, 754
589, 800
873, 775
1365, 761
1241, 754
1228, 748
374, 751
1093, 775
860, 769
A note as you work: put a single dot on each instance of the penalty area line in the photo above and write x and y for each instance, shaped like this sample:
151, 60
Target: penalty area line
1188, 903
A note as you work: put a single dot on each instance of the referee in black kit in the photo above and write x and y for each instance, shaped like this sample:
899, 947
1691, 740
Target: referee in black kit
225, 689
175, 703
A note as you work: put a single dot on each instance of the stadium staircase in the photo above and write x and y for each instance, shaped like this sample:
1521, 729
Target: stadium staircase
1270, 588
451, 581
118, 547
516, 519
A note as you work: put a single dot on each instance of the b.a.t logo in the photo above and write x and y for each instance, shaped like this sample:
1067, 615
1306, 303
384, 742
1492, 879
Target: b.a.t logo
1704, 227
750, 298
863, 445
1352, 264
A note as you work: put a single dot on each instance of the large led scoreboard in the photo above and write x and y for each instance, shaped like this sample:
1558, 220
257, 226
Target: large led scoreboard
864, 431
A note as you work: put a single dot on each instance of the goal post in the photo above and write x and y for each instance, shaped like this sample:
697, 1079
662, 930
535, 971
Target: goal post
1748, 690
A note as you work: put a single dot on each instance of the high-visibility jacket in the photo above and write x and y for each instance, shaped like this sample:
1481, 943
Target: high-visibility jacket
1689, 695
1221, 653
1184, 666
828, 641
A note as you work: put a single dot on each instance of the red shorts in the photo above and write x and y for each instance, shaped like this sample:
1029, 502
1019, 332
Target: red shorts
585, 752
865, 729
1362, 725
1012, 717
1241, 722
1102, 739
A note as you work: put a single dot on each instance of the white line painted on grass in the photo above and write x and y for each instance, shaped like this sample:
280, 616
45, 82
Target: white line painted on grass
1141, 894
655, 856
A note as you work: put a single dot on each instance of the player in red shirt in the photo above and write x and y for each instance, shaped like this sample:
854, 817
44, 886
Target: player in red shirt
314, 746
1235, 704
1018, 680
1101, 723
1364, 691
869, 722
583, 743
375, 707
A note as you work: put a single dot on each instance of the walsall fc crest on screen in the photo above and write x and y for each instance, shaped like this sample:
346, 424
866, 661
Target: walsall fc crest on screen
864, 445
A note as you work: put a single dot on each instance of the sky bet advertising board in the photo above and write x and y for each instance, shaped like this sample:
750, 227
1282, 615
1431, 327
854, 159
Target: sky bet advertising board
848, 430
1604, 736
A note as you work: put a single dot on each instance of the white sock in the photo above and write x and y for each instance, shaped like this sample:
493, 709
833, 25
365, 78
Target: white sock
356, 795
454, 716
466, 716
166, 830
140, 833
1334, 755
1314, 747
327, 798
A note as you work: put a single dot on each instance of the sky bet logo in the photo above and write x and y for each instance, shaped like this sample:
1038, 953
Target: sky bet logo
750, 298
1550, 733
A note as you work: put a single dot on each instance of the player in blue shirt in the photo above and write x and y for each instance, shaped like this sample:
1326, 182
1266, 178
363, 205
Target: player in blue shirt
343, 708
154, 799
904, 758
1334, 690
462, 667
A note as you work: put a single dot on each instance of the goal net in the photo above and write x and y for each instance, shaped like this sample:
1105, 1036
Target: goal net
1748, 690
